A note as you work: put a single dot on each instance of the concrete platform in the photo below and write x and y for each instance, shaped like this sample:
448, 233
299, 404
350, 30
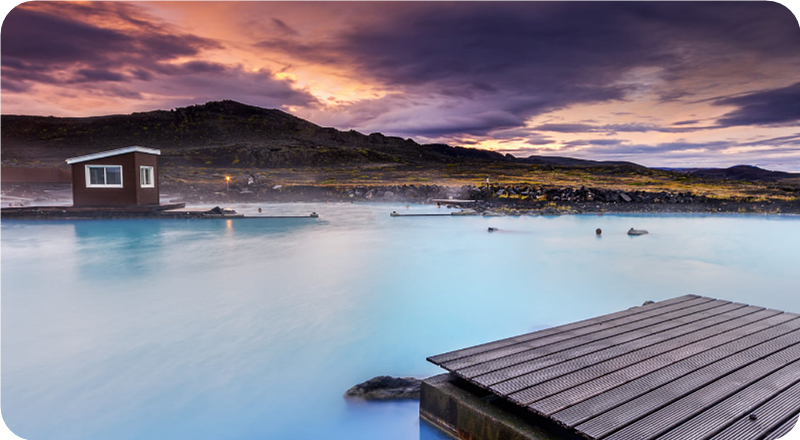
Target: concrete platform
163, 211
467, 412
86, 212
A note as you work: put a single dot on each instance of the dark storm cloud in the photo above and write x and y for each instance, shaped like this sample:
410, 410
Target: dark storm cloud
33, 36
41, 37
98, 75
780, 141
480, 124
614, 128
549, 56
189, 68
602, 142
621, 148
44, 42
539, 141
15, 86
60, 43
283, 27
776, 106
689, 122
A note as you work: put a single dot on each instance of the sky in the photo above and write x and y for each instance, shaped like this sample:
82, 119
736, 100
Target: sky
663, 84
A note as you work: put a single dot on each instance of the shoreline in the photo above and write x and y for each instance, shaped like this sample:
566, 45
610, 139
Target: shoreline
494, 200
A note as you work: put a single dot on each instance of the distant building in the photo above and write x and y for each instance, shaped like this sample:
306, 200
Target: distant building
121, 177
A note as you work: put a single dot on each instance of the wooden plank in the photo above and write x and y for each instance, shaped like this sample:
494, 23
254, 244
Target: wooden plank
557, 365
770, 417
733, 355
744, 403
603, 383
692, 368
583, 335
783, 429
518, 368
634, 362
660, 409
458, 354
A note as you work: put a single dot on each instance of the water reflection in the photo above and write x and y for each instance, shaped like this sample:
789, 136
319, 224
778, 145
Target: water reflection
124, 249
120, 249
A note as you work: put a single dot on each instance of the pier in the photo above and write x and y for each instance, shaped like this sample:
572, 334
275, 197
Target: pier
435, 214
163, 211
688, 368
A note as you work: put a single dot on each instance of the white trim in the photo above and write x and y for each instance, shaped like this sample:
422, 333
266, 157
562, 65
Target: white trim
89, 183
152, 176
109, 153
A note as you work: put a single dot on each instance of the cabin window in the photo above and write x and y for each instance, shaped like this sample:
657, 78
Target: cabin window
146, 177
104, 176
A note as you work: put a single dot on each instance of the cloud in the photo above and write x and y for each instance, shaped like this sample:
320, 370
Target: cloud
283, 27
776, 106
584, 142
435, 71
116, 50
614, 128
99, 75
529, 58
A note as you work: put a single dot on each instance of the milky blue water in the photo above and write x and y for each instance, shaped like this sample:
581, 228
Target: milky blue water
253, 329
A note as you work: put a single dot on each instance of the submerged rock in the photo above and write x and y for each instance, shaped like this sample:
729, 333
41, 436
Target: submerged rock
386, 388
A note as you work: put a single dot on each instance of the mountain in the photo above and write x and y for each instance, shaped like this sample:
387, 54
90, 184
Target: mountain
743, 173
228, 133
571, 162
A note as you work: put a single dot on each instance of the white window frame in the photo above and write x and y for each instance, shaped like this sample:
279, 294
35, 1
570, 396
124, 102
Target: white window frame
89, 183
152, 173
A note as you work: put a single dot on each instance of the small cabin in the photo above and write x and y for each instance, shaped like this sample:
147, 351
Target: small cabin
121, 177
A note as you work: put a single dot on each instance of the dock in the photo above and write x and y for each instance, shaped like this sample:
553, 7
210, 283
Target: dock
453, 201
687, 368
162, 211
87, 212
435, 214
204, 213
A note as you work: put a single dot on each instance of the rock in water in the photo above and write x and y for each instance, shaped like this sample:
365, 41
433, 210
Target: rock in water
386, 388
632, 231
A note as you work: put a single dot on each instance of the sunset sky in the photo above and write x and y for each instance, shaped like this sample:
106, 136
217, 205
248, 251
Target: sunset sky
661, 84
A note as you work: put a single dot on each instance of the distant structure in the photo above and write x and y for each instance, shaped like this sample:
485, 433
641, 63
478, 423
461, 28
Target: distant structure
122, 177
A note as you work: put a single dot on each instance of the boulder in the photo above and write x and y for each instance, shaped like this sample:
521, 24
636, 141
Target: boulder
386, 388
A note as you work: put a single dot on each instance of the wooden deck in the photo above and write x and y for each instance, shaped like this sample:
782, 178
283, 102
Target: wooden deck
85, 212
688, 368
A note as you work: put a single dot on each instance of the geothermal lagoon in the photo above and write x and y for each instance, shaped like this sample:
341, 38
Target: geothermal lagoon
254, 329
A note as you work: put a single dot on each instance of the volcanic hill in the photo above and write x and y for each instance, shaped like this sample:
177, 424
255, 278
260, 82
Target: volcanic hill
228, 133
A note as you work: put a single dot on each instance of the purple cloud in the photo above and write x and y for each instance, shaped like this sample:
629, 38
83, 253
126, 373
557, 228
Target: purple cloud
529, 58
776, 106
58, 44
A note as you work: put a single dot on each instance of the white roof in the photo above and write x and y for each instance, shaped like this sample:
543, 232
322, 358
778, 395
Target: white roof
109, 153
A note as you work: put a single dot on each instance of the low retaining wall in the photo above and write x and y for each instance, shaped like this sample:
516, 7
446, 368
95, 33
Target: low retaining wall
468, 413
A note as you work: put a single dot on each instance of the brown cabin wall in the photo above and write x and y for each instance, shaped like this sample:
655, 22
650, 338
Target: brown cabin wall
146, 196
130, 194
